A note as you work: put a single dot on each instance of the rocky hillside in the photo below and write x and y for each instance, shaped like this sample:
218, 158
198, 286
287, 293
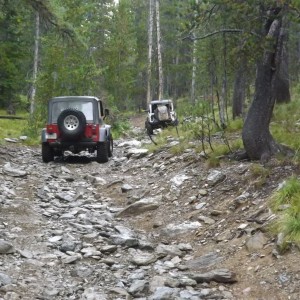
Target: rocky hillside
142, 226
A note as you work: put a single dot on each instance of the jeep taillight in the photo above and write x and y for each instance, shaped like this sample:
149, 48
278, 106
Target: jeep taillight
51, 132
49, 129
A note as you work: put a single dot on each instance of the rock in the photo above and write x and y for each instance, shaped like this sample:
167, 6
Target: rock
241, 199
138, 287
203, 192
190, 295
26, 254
186, 227
219, 275
164, 250
50, 293
140, 258
206, 220
13, 171
124, 237
204, 261
178, 180
137, 153
164, 293
6, 248
141, 206
129, 144
93, 293
109, 248
126, 187
68, 197
256, 242
215, 177
67, 245
71, 259
11, 140
4, 279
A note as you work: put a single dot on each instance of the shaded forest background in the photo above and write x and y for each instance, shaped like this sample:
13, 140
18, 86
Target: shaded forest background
209, 51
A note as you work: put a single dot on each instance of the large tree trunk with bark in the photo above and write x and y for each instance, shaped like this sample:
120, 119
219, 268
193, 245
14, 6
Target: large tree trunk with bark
258, 141
282, 83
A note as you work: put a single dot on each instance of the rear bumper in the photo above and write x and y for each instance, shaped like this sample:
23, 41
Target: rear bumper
67, 145
158, 124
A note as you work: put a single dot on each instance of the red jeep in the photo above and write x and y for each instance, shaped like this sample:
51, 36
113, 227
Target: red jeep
76, 123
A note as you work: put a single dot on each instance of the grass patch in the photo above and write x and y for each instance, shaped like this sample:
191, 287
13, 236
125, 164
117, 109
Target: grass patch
286, 203
257, 170
260, 175
285, 195
12, 128
285, 124
235, 125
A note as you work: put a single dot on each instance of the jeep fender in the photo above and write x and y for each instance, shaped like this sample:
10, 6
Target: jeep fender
44, 140
104, 132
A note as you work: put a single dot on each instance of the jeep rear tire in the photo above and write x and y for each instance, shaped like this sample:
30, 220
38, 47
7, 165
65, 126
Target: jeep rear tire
148, 128
102, 152
71, 123
110, 146
47, 153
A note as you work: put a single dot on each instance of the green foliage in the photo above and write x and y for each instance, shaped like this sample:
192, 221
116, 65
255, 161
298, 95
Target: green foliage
259, 171
286, 203
36, 122
286, 194
258, 175
12, 128
119, 121
120, 127
285, 123
178, 149
161, 139
14, 45
235, 125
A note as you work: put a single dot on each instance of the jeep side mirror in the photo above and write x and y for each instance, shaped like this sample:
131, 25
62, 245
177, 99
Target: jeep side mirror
106, 112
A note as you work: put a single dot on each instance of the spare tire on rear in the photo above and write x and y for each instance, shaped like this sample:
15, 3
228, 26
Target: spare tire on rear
71, 123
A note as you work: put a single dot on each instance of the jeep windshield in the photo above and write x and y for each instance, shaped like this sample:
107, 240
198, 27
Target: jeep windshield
84, 106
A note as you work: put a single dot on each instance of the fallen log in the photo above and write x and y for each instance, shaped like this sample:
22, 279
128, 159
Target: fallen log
12, 117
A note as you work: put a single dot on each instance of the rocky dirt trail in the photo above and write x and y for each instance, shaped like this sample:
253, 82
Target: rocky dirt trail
142, 226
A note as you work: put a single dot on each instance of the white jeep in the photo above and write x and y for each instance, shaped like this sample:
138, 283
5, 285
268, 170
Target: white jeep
161, 114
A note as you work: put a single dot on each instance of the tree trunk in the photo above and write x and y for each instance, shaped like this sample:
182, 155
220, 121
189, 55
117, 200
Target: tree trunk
239, 92
159, 54
258, 141
35, 63
224, 97
194, 69
150, 40
222, 105
282, 84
